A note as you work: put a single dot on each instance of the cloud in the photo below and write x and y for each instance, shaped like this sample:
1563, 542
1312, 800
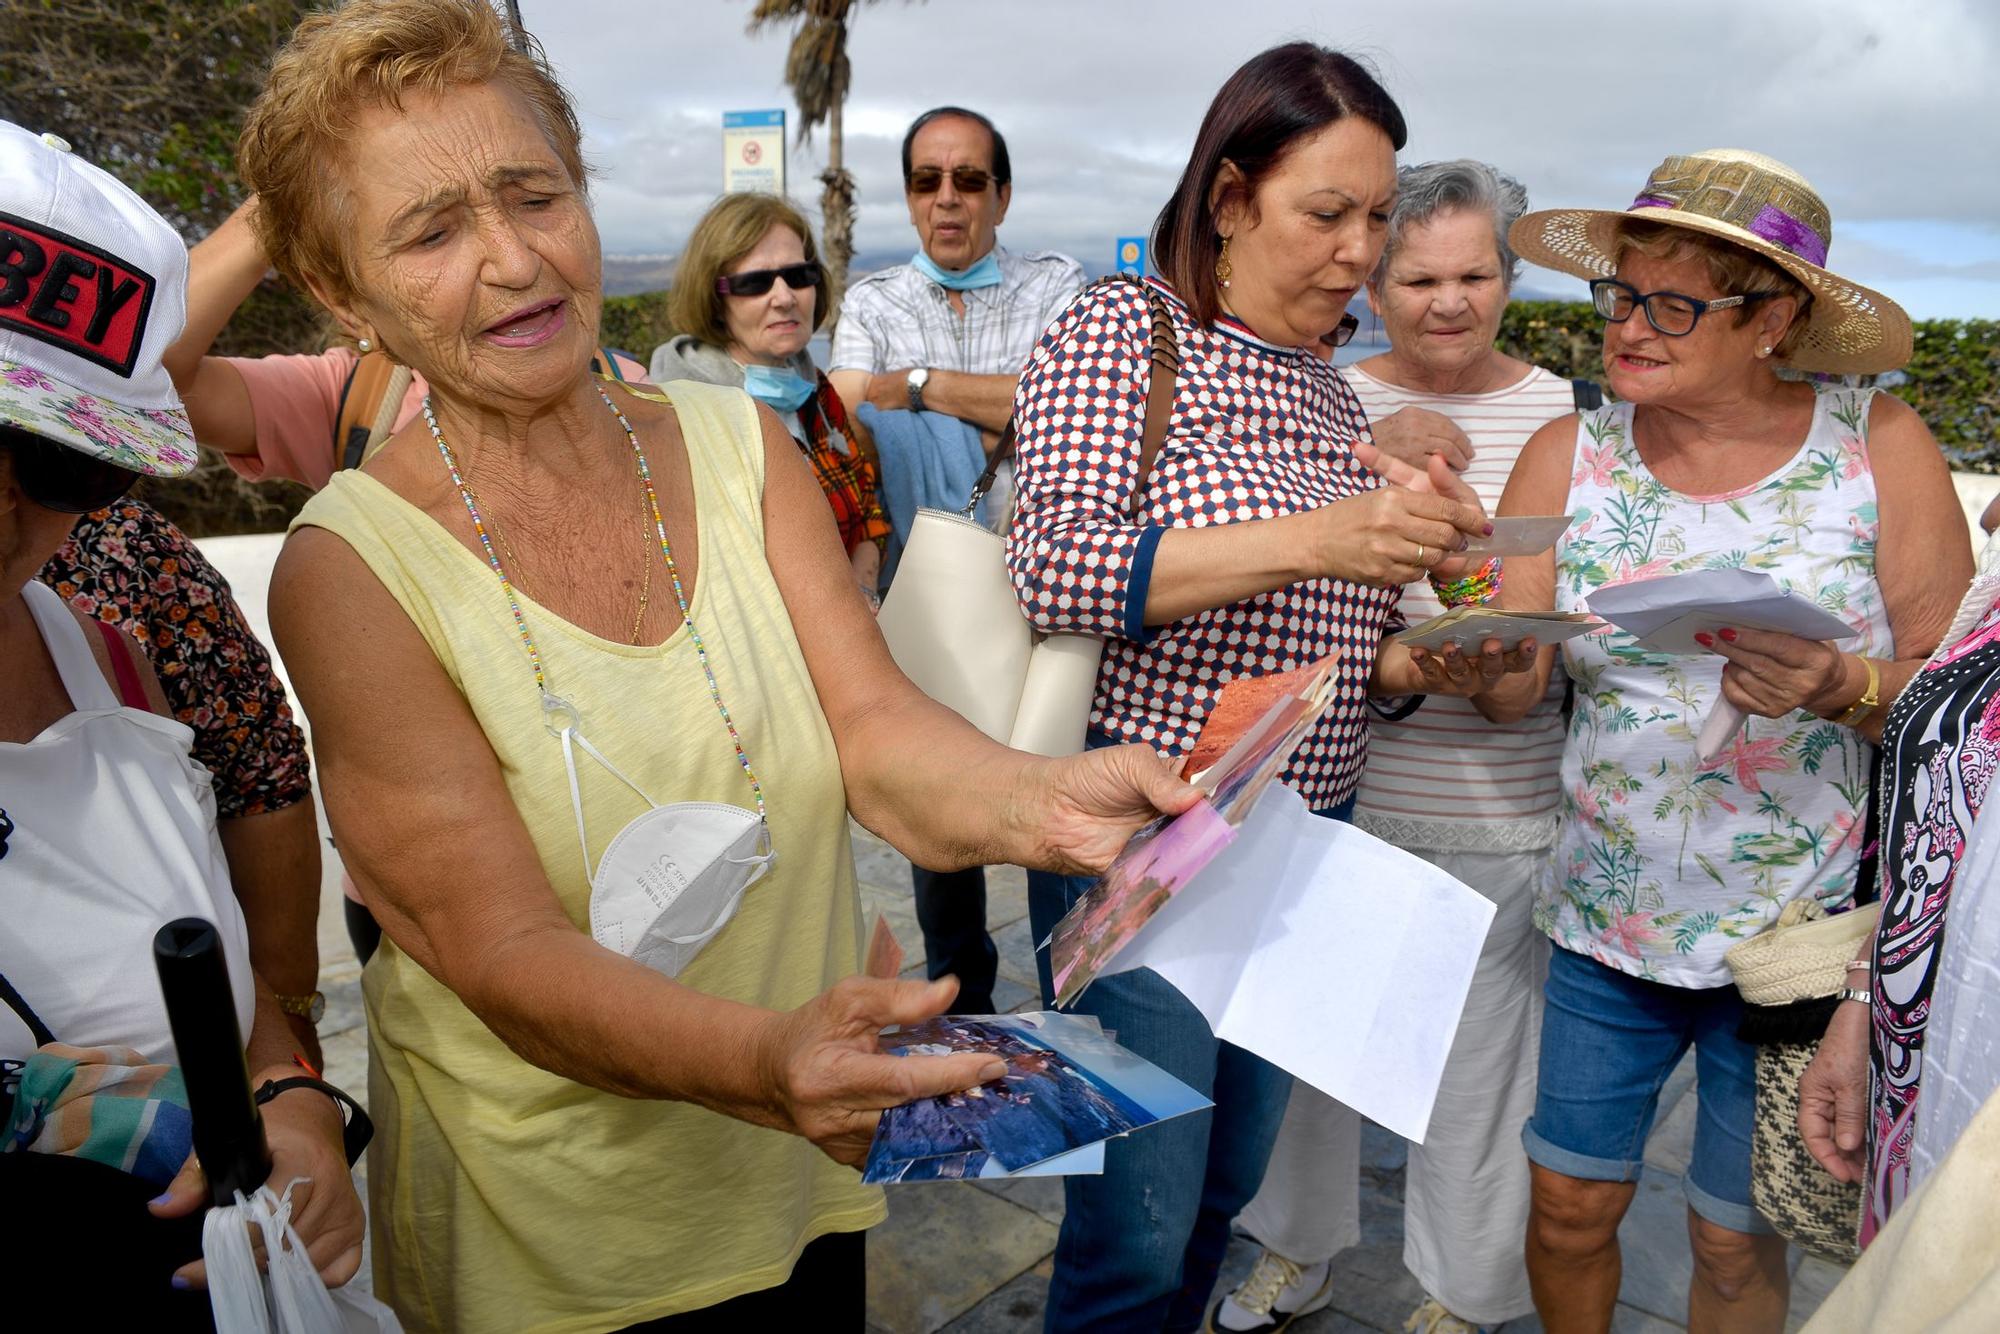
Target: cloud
1881, 106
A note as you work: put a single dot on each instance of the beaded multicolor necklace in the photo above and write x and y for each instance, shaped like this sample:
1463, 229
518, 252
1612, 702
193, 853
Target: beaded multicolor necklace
553, 704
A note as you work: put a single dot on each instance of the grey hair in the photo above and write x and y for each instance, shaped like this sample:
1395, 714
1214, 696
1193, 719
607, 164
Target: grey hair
1430, 189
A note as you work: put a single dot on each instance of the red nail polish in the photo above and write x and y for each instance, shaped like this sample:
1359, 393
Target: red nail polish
1706, 641
1489, 530
1729, 636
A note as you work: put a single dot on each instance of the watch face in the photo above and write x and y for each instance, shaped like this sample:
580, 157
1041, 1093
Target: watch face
317, 1011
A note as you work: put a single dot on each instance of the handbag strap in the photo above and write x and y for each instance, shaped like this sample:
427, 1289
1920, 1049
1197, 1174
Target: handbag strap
1165, 354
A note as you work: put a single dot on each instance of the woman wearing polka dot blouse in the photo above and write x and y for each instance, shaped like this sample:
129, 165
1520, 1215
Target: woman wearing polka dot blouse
1265, 541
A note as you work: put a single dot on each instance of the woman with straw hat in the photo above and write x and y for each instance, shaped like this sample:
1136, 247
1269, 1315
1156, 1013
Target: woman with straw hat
1709, 283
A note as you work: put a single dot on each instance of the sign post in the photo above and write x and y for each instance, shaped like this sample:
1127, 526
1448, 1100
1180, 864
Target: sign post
753, 151
1132, 255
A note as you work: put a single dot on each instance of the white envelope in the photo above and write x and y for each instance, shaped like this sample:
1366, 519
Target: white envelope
1521, 535
1792, 614
1327, 952
1664, 614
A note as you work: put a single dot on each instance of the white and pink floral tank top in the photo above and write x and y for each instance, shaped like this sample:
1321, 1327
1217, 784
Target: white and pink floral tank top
1662, 863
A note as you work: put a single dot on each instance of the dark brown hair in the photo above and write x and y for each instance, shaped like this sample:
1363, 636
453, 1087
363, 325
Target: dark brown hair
1268, 105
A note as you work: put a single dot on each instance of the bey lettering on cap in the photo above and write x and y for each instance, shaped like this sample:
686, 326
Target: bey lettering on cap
93, 290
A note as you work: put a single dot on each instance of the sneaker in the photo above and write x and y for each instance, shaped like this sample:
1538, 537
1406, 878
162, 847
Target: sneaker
1432, 1318
1276, 1293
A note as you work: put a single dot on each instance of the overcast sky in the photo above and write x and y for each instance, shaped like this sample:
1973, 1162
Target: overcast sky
1890, 107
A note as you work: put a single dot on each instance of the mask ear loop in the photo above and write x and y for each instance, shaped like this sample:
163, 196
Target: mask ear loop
560, 718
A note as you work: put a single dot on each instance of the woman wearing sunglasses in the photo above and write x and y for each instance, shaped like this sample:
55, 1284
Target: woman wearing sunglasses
749, 289
1711, 282
107, 822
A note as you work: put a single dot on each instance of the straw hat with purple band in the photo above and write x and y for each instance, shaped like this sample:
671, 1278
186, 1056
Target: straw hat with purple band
1763, 206
93, 291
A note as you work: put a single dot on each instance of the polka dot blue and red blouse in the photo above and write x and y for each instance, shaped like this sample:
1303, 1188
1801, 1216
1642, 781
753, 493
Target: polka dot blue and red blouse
1257, 431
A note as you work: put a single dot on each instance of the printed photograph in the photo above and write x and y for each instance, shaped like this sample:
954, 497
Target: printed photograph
1066, 1086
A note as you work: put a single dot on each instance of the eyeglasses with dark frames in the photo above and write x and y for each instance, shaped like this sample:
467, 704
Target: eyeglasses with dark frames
1672, 313
756, 282
1342, 333
62, 479
965, 180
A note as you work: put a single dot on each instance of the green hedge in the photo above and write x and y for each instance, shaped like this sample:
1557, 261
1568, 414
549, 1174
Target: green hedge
1953, 379
635, 324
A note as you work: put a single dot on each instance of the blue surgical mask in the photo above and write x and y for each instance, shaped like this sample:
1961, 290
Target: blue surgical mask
784, 390
984, 273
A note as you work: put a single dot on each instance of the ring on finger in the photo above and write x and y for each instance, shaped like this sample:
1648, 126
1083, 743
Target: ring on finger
1421, 551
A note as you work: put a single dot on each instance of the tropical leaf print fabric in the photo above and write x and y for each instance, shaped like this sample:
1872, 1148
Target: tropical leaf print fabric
1663, 862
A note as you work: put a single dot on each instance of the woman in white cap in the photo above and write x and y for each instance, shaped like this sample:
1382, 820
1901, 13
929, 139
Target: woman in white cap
107, 824
1710, 283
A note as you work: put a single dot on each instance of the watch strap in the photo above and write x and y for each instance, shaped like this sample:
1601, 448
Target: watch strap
1871, 696
356, 1129
1862, 994
914, 387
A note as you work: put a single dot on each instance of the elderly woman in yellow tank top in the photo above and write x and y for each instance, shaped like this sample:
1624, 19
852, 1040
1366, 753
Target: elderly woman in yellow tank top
572, 651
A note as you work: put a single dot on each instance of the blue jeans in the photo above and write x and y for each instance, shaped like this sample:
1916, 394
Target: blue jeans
1609, 1042
1141, 1245
951, 912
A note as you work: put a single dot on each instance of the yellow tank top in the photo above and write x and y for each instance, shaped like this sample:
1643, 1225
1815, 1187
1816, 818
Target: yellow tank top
506, 1197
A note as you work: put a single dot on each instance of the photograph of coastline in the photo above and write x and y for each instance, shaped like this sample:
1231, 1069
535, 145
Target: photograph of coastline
1067, 1086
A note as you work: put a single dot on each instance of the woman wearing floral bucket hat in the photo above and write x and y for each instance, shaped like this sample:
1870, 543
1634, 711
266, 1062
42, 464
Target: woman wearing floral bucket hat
1712, 280
107, 824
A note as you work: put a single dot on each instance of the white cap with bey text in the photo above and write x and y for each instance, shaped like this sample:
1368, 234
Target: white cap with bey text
93, 290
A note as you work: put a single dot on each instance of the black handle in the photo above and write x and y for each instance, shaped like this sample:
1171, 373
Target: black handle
201, 1010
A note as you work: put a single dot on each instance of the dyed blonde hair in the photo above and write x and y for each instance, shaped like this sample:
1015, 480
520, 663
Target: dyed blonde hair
731, 229
361, 55
1730, 267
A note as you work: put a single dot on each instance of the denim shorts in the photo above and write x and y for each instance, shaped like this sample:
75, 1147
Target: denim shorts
1609, 1042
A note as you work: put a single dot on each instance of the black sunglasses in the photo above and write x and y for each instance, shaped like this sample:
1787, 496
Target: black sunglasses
1343, 332
1671, 313
965, 180
756, 282
60, 478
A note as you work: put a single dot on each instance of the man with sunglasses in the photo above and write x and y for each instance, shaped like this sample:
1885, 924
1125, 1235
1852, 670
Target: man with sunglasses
949, 332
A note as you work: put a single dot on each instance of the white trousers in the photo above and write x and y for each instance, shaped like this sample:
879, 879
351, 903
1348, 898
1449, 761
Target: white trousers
1465, 1210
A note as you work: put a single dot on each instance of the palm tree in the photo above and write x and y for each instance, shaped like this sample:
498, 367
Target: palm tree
817, 70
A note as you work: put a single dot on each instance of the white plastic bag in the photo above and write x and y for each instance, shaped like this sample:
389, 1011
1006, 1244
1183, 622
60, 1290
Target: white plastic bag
288, 1297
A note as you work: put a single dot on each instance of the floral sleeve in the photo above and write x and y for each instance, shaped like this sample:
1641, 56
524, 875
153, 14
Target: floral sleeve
130, 567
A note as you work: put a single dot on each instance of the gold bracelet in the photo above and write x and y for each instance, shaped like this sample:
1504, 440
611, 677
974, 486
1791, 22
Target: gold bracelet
1870, 697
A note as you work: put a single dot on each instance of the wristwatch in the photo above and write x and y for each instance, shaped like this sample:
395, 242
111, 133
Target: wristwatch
918, 379
1871, 697
309, 1008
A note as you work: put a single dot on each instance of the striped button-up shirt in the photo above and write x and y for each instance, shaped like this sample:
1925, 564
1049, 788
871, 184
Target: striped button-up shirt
897, 319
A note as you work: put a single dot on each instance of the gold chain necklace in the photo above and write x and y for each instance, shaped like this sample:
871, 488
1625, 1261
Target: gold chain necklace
645, 586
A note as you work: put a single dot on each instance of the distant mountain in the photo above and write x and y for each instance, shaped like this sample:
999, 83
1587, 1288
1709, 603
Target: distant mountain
627, 275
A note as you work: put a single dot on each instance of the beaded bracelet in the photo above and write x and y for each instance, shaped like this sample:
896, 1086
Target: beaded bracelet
1481, 585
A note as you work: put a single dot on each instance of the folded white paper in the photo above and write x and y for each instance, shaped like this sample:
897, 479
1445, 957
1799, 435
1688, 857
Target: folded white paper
1664, 614
1327, 952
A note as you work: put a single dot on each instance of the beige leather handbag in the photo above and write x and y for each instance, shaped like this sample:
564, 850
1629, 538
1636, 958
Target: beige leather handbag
953, 623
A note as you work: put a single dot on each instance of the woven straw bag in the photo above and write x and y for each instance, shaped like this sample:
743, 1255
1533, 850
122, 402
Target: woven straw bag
1790, 977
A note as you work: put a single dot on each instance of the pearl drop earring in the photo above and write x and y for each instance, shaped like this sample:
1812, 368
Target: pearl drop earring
366, 346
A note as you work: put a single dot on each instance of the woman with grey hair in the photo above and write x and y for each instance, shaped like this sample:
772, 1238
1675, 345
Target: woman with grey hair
1486, 813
